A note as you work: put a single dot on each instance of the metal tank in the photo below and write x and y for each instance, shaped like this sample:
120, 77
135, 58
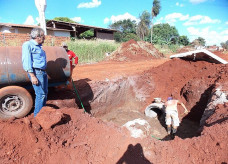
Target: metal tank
12, 73
15, 100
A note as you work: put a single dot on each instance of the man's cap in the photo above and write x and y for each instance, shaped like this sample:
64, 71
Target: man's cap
169, 98
64, 44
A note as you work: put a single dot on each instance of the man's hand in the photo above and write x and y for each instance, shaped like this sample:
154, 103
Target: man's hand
34, 80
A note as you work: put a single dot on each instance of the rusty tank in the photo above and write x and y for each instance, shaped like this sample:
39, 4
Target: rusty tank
12, 73
15, 99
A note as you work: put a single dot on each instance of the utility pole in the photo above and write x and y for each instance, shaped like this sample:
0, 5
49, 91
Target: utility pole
41, 7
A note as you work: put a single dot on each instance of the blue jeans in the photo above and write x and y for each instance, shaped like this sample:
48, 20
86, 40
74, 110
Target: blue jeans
41, 90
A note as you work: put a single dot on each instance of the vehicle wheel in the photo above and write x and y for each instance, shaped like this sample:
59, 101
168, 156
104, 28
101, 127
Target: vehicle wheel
14, 102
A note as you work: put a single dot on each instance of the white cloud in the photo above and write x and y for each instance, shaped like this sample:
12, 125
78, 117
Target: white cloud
179, 4
94, 3
172, 18
106, 20
159, 21
224, 32
29, 20
77, 19
227, 23
117, 18
211, 37
197, 1
199, 19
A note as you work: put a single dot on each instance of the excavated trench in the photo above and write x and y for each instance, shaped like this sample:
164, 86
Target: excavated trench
123, 100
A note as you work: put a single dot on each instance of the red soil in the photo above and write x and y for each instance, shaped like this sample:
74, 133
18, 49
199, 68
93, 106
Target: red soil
115, 92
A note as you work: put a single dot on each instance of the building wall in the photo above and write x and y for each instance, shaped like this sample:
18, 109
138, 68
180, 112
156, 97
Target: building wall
17, 39
62, 33
5, 29
107, 36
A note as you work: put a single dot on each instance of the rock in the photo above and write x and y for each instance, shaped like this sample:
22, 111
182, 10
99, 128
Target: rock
49, 117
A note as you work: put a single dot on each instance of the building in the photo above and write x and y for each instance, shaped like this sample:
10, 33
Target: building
59, 28
26, 29
76, 29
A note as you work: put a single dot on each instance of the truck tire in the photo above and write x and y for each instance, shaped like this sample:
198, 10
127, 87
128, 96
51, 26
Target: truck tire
14, 102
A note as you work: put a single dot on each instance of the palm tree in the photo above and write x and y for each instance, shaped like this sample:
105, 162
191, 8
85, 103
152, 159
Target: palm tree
143, 25
154, 12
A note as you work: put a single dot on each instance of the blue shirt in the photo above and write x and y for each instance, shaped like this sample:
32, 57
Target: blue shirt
33, 56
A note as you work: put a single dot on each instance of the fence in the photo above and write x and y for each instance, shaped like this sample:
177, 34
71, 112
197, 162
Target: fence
16, 39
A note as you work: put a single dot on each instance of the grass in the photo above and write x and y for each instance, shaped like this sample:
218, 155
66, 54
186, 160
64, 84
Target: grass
167, 49
90, 51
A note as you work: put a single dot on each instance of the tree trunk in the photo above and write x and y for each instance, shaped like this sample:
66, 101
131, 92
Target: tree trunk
151, 32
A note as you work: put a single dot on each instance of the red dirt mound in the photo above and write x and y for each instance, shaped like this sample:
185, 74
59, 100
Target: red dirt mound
133, 50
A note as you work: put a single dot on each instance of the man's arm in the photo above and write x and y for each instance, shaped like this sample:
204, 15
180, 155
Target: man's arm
27, 62
185, 109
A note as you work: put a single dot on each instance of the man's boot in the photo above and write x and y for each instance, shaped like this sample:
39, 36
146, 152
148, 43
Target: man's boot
174, 133
169, 130
174, 130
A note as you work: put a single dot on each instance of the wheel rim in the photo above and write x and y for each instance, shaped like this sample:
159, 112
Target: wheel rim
11, 104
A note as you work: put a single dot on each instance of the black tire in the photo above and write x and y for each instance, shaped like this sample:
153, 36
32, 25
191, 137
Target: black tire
14, 102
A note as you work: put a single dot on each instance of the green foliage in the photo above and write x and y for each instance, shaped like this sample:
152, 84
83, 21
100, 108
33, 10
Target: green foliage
165, 34
89, 51
87, 34
224, 45
202, 41
183, 40
154, 12
124, 37
144, 25
129, 36
118, 36
156, 8
64, 19
167, 50
124, 26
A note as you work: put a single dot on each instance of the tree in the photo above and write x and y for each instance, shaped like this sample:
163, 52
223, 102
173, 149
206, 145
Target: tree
124, 26
154, 12
126, 30
129, 36
183, 40
64, 19
144, 25
165, 34
225, 45
202, 41
87, 34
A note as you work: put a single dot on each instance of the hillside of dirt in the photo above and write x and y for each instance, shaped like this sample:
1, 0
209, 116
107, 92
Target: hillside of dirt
133, 50
114, 95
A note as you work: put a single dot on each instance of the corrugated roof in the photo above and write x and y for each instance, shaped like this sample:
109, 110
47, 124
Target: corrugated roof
30, 26
49, 23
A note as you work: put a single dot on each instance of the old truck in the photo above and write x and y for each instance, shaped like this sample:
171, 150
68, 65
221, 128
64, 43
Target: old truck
15, 97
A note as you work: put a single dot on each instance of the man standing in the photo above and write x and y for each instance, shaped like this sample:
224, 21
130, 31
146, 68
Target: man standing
71, 56
172, 114
34, 63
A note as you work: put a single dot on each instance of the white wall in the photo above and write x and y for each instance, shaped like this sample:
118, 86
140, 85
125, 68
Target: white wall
62, 33
5, 30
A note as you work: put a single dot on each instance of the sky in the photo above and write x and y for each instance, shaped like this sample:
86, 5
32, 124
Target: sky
194, 18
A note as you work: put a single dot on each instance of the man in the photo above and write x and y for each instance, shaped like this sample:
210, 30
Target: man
71, 56
34, 63
172, 114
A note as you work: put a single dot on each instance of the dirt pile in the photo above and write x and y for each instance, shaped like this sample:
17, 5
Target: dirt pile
133, 50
